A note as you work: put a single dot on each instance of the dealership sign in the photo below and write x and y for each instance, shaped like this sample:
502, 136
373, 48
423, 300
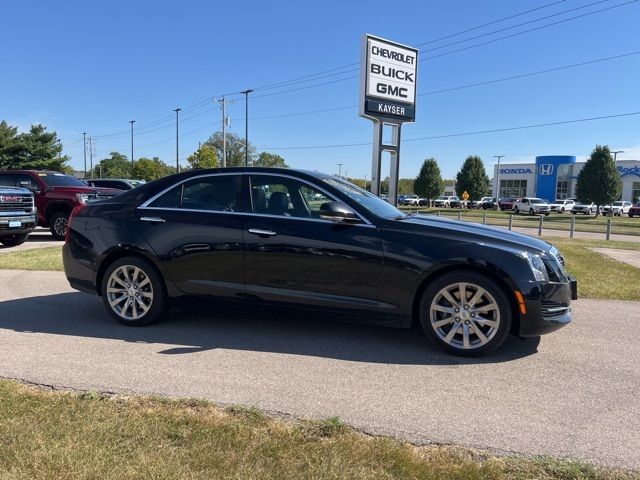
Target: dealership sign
629, 171
508, 171
388, 80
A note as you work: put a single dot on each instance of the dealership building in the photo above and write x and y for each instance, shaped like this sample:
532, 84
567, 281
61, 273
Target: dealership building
555, 176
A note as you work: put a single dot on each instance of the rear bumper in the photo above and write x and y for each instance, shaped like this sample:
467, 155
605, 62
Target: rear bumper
81, 275
548, 307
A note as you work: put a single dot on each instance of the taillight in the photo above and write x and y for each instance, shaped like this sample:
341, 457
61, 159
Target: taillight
74, 212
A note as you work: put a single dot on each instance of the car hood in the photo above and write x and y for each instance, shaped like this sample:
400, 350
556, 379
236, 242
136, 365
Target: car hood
471, 232
87, 190
14, 191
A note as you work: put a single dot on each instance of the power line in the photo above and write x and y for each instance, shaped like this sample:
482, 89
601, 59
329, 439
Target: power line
463, 134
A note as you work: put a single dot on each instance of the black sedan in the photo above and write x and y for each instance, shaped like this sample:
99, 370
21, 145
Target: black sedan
313, 241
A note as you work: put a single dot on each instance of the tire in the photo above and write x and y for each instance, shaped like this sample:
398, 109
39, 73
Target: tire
546, 214
438, 323
531, 212
561, 210
58, 225
150, 301
516, 210
573, 213
14, 240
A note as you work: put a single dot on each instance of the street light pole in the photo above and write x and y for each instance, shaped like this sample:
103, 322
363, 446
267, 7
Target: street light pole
177, 150
84, 141
340, 169
132, 122
246, 126
496, 192
615, 155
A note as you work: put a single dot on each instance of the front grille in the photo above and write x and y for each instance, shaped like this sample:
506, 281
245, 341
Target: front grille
553, 309
16, 203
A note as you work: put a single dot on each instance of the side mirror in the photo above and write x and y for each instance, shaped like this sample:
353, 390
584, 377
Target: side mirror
338, 212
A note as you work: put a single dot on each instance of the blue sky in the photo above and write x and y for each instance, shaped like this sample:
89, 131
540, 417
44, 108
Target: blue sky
93, 66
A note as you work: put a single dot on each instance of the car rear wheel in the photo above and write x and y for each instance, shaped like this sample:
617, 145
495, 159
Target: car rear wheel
516, 210
14, 240
133, 292
465, 313
58, 225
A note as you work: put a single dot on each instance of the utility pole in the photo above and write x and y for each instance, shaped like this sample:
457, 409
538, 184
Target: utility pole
177, 148
340, 169
84, 141
496, 192
225, 122
92, 151
365, 181
246, 126
132, 122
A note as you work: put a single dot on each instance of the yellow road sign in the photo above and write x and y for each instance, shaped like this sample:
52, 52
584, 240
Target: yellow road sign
465, 196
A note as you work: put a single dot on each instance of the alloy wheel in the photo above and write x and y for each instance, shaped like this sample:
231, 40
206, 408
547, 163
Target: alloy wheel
129, 292
60, 226
464, 315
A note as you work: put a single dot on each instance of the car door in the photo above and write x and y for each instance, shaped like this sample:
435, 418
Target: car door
294, 256
195, 228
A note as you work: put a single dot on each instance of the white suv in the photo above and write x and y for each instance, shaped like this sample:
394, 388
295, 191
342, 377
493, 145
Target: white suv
562, 206
444, 201
619, 208
531, 205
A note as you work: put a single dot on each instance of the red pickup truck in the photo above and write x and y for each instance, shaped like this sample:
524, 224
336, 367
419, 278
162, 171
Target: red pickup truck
56, 195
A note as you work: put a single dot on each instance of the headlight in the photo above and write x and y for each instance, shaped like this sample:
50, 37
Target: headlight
537, 267
83, 198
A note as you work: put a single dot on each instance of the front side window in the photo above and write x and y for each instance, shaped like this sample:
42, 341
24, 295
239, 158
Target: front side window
215, 194
282, 196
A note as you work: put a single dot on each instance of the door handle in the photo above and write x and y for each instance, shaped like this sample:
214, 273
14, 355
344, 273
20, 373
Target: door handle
262, 233
152, 219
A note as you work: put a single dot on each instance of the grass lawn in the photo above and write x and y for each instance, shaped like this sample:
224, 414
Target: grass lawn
598, 275
46, 258
46, 435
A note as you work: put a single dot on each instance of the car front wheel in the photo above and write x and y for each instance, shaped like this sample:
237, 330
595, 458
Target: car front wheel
14, 240
58, 225
465, 313
133, 292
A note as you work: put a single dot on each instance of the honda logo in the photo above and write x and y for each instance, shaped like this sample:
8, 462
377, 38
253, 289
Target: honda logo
546, 169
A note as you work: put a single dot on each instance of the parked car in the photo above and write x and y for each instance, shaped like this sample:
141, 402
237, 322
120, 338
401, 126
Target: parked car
531, 205
424, 202
247, 234
506, 204
17, 215
488, 203
584, 208
618, 208
56, 195
635, 210
411, 200
458, 203
444, 201
561, 206
117, 183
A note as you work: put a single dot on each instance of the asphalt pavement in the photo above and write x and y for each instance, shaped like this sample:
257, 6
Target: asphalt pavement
574, 393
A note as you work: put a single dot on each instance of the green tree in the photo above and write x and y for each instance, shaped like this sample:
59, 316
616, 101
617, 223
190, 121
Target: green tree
599, 180
266, 159
405, 185
473, 179
116, 165
151, 169
429, 183
36, 149
235, 149
204, 157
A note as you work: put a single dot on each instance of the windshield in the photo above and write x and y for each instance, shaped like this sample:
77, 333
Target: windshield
136, 183
366, 199
617, 204
60, 180
537, 200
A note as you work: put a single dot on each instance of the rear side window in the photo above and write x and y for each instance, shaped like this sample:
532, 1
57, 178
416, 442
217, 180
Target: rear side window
215, 194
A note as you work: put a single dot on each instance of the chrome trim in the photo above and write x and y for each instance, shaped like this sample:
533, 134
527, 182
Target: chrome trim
152, 219
259, 231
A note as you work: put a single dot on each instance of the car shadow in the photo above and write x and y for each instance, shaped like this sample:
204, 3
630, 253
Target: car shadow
198, 326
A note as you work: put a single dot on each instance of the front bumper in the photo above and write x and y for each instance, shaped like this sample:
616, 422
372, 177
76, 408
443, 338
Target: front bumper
16, 224
548, 307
